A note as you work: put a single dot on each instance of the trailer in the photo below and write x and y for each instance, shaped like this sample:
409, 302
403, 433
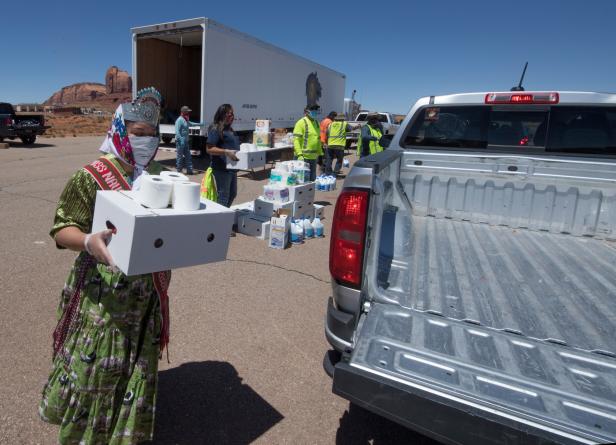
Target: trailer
203, 64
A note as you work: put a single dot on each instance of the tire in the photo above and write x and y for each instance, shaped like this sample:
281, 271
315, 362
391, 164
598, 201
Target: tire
28, 140
167, 139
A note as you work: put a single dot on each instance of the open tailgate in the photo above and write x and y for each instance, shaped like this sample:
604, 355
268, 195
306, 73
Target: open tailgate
464, 383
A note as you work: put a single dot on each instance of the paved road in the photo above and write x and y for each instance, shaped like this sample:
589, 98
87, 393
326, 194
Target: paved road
246, 335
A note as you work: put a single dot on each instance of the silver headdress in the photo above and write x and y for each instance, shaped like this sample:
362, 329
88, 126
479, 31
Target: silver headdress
145, 107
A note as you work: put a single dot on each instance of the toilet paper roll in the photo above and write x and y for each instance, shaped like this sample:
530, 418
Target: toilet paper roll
186, 195
155, 192
173, 176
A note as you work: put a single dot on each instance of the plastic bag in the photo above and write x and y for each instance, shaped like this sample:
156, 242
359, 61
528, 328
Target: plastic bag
208, 186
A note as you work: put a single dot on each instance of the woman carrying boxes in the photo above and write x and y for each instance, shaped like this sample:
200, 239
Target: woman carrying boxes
112, 328
222, 143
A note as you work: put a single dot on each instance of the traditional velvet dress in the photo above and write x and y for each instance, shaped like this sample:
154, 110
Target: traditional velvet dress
102, 389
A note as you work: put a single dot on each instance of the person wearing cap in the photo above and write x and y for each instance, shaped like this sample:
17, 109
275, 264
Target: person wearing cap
111, 327
182, 146
336, 134
371, 134
307, 139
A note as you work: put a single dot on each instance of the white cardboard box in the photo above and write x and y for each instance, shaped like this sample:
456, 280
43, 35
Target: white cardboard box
267, 208
302, 192
303, 209
148, 240
251, 224
247, 160
318, 211
242, 207
262, 125
279, 232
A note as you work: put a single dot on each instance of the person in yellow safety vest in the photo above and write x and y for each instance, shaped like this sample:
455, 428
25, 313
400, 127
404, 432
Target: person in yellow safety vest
336, 142
306, 139
369, 140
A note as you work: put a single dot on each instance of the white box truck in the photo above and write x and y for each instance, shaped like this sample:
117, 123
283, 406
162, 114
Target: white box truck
203, 64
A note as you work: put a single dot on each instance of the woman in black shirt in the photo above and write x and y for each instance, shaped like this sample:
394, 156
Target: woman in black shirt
222, 143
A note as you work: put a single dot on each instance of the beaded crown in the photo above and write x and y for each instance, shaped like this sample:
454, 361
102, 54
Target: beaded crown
145, 107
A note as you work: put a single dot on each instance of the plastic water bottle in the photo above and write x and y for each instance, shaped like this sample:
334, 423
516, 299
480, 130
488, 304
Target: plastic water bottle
297, 232
318, 227
308, 230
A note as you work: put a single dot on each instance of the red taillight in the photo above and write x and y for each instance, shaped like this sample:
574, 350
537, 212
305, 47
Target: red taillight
8, 121
346, 250
522, 98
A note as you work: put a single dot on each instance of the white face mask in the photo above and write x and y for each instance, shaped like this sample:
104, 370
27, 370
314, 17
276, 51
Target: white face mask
144, 148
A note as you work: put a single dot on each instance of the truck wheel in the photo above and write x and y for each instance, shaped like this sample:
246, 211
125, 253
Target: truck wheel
28, 140
167, 139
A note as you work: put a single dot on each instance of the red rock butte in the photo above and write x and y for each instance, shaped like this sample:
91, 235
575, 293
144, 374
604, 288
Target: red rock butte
116, 89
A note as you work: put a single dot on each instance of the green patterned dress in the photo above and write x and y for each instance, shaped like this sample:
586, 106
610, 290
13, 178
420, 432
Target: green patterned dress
102, 389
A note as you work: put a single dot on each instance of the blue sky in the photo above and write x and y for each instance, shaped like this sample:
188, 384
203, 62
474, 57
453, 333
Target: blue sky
391, 51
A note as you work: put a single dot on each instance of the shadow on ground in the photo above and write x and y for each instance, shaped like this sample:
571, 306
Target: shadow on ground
206, 402
18, 144
359, 426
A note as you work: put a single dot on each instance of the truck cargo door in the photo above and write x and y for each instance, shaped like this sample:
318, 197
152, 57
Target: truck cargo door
464, 383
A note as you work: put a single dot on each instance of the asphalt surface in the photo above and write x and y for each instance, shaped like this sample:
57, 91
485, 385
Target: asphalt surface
247, 339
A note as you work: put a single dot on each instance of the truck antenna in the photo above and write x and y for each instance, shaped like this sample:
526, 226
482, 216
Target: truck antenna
520, 87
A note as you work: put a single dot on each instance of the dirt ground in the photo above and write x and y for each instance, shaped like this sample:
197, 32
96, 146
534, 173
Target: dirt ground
75, 125
247, 339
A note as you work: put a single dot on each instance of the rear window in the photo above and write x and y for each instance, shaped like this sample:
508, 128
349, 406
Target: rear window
562, 129
6, 109
362, 117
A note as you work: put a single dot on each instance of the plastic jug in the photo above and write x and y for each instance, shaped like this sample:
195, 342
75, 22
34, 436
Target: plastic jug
297, 232
308, 230
318, 228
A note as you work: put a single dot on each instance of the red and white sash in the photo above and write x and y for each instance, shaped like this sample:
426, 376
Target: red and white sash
108, 177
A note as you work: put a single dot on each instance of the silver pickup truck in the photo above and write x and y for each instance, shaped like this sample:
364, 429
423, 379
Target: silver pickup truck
474, 271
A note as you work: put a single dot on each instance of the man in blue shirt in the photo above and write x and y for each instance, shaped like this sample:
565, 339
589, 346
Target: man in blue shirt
182, 147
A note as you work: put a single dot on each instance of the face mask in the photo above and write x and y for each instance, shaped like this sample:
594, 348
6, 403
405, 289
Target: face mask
144, 148
314, 114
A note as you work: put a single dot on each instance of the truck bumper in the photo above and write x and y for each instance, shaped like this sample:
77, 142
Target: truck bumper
426, 412
339, 327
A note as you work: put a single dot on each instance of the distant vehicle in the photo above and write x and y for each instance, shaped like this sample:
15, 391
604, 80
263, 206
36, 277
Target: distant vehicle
25, 126
387, 120
203, 64
473, 271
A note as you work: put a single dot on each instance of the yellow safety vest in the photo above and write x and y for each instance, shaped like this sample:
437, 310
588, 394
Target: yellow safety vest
374, 146
337, 134
307, 141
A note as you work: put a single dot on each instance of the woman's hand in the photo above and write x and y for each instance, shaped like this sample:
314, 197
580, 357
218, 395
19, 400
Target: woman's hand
231, 155
96, 245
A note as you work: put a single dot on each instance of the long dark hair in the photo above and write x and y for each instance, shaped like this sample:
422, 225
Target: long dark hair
219, 118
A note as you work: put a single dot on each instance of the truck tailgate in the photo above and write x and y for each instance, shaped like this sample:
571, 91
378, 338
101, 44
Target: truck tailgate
477, 384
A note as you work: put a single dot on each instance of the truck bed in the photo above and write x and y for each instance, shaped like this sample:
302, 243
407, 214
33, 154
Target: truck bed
490, 298
535, 283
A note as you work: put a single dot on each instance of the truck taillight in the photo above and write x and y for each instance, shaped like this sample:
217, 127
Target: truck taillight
346, 250
522, 98
8, 121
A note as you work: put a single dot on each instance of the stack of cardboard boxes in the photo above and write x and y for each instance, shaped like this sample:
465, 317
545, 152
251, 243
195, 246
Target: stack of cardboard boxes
258, 218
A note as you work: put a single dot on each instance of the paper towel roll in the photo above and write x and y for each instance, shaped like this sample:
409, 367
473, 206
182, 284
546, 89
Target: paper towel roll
186, 195
155, 192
